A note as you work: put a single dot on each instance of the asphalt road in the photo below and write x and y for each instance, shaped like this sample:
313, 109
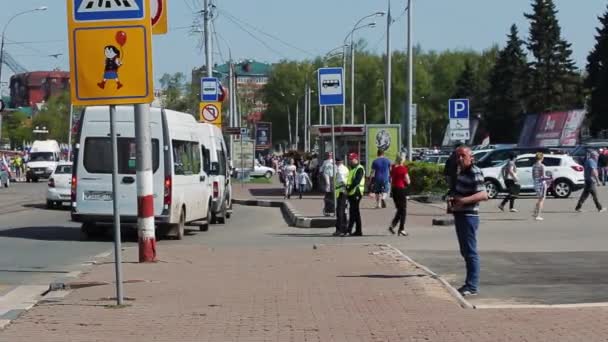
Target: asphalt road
559, 261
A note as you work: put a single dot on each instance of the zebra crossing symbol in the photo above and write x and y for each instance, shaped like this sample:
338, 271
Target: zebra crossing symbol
106, 10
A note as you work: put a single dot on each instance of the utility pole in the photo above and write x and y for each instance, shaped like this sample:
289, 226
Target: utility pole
297, 123
410, 78
389, 61
344, 81
352, 81
289, 124
145, 183
306, 128
208, 43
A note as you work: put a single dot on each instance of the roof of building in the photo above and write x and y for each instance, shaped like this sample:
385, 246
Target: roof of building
246, 68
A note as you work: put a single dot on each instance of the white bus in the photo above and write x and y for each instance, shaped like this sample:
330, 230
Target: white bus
182, 188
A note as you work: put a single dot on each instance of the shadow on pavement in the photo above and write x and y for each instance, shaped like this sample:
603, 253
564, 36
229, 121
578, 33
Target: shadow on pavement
267, 192
62, 233
321, 235
384, 276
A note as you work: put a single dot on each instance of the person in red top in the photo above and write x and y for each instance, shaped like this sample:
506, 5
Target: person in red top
400, 179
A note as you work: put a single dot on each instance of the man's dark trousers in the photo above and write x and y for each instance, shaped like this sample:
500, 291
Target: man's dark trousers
341, 219
590, 189
354, 213
466, 230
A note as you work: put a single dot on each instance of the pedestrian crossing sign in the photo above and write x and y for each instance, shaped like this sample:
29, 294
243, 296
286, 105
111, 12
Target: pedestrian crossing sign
110, 45
108, 10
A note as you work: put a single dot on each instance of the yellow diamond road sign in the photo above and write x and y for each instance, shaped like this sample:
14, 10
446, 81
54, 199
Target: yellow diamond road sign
110, 52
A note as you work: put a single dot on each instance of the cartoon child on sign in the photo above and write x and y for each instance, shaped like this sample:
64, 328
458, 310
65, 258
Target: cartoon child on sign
113, 62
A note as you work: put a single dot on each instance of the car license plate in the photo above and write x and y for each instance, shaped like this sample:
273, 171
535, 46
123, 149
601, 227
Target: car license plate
38, 172
98, 195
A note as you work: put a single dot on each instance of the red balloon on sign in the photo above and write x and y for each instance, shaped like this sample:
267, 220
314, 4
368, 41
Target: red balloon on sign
121, 38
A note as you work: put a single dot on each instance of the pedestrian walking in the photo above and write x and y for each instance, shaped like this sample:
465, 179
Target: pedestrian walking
355, 186
509, 174
602, 165
469, 190
341, 197
290, 178
380, 178
327, 172
400, 179
539, 176
303, 182
591, 182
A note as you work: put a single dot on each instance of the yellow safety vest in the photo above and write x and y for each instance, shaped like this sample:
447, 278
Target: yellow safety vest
351, 177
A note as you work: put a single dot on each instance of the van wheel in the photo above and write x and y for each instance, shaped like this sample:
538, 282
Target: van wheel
205, 227
222, 219
179, 229
268, 175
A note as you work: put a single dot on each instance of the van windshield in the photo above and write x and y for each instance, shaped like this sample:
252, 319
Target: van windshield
42, 157
98, 155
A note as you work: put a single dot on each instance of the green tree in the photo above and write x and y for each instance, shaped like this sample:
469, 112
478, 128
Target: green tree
55, 116
554, 82
178, 94
507, 81
16, 129
597, 78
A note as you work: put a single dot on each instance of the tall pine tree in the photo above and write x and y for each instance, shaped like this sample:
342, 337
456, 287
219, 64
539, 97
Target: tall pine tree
554, 82
505, 96
597, 79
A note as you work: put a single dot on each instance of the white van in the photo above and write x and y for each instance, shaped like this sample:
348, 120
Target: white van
219, 172
182, 191
42, 160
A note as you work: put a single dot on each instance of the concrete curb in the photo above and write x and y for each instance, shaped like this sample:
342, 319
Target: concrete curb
461, 300
292, 216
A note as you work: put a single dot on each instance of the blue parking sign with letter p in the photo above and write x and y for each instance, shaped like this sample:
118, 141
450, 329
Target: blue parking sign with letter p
459, 108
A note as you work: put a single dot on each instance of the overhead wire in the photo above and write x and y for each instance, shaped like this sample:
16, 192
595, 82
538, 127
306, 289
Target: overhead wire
255, 37
292, 46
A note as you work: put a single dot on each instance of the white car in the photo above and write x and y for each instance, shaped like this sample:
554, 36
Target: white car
259, 171
59, 186
567, 175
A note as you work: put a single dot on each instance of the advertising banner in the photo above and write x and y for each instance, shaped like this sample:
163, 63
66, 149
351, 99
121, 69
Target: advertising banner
549, 129
263, 136
381, 137
572, 128
244, 152
527, 133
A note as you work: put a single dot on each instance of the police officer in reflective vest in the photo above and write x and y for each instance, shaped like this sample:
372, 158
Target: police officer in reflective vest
355, 187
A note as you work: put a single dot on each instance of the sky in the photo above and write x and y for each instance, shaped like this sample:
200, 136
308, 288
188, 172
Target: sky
301, 29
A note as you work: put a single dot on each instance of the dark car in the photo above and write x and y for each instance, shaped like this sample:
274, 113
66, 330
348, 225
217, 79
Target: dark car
498, 156
581, 152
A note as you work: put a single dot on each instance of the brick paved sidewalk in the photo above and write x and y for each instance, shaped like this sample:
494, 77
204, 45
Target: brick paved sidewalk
332, 293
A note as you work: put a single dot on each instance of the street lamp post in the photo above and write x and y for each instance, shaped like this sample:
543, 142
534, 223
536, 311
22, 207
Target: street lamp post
352, 59
410, 78
41, 8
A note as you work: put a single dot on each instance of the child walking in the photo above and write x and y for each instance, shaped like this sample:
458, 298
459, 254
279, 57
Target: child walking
303, 181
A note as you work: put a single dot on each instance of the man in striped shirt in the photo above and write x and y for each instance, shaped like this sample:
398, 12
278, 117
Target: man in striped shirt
469, 190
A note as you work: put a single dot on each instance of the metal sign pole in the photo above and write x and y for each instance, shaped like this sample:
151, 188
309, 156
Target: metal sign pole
70, 132
333, 148
117, 242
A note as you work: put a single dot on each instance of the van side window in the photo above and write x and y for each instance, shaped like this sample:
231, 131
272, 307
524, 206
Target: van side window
221, 157
206, 159
186, 158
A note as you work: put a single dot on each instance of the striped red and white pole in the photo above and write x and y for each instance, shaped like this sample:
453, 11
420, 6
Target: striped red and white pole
145, 184
145, 217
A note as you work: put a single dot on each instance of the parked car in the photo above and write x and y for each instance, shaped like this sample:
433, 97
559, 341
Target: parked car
182, 190
581, 152
59, 186
479, 154
498, 156
566, 173
438, 159
259, 171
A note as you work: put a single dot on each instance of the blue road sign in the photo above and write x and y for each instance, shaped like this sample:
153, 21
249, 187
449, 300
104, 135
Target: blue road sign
108, 10
210, 89
331, 87
459, 108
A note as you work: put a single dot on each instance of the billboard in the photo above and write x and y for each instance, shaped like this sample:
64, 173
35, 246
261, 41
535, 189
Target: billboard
263, 136
381, 137
552, 129
243, 154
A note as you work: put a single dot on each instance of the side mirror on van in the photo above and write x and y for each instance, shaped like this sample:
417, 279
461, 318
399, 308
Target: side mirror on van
215, 167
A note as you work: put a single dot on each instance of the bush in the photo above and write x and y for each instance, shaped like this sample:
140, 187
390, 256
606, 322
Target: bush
426, 178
